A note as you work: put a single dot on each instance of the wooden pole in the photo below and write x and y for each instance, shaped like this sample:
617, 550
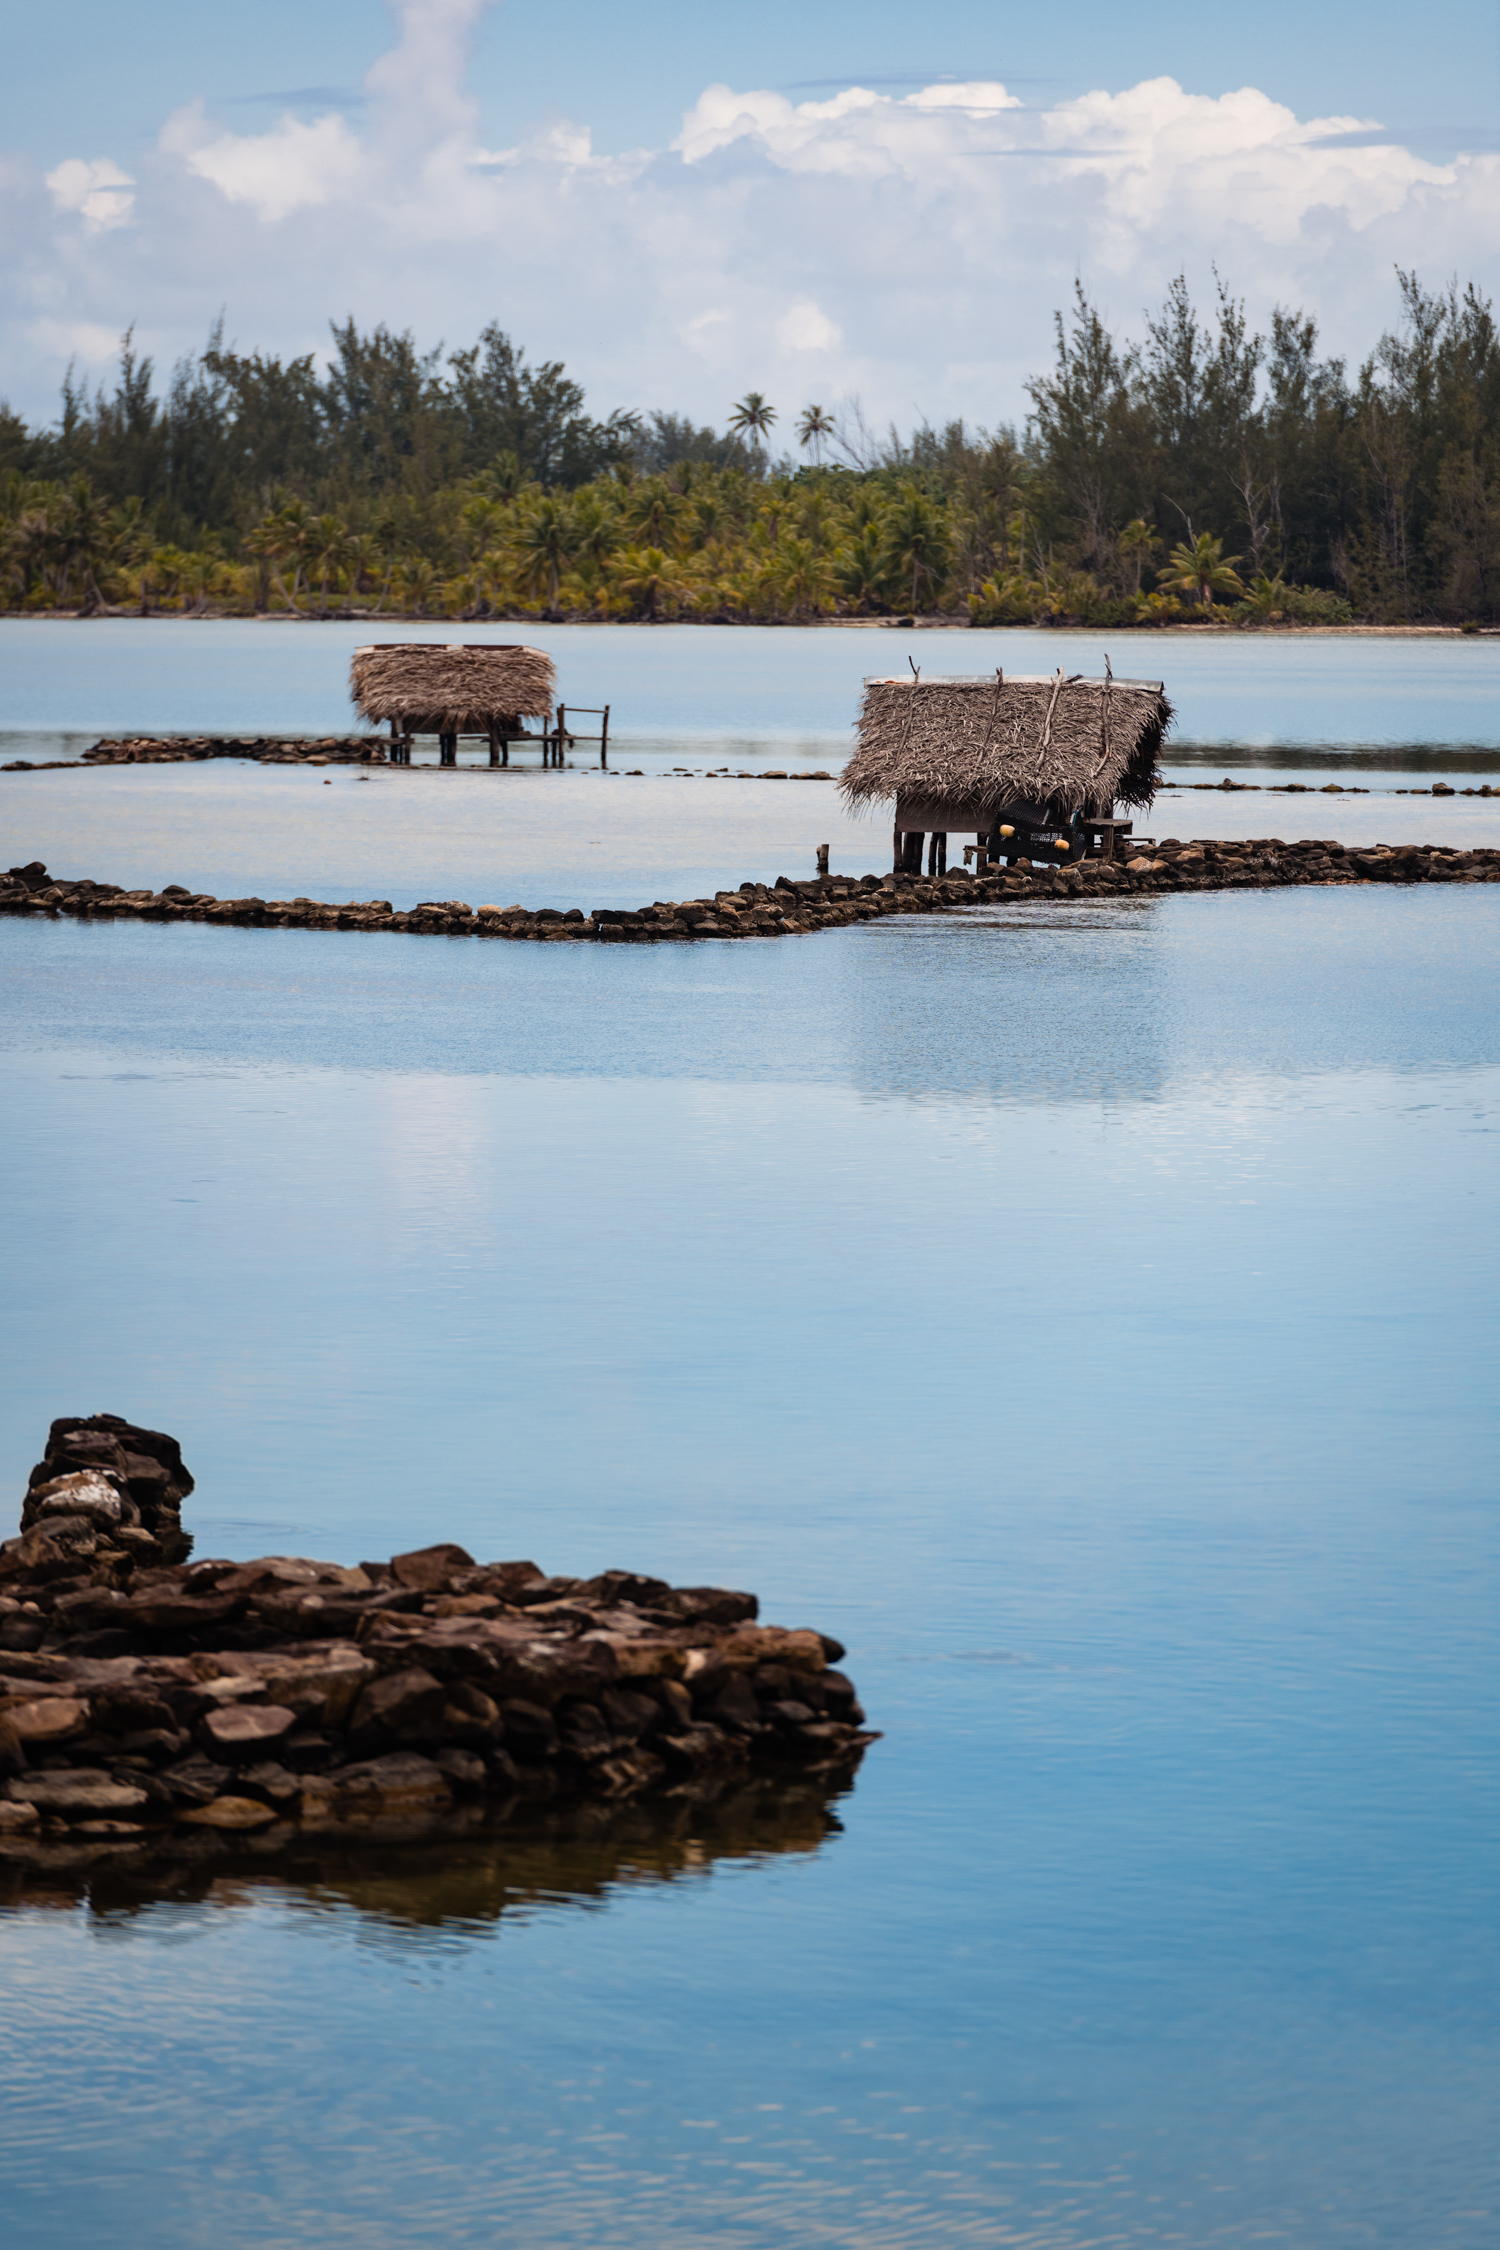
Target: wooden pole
604, 739
896, 843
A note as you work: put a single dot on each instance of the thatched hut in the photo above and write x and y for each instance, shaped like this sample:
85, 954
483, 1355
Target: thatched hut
1031, 767
452, 688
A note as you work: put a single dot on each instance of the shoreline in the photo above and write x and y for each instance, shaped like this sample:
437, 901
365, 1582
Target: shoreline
1191, 627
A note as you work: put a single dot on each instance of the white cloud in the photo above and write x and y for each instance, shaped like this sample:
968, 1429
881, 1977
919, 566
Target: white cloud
99, 190
275, 173
915, 245
805, 329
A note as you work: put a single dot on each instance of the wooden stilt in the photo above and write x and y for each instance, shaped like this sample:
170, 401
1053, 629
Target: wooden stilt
604, 739
942, 852
897, 841
494, 744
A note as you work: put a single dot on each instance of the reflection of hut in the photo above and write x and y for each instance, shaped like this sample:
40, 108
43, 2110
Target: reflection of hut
449, 689
1032, 768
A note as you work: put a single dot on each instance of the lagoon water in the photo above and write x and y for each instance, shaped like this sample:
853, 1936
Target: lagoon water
1087, 1314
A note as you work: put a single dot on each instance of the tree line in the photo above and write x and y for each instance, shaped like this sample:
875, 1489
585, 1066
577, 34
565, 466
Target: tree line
1199, 470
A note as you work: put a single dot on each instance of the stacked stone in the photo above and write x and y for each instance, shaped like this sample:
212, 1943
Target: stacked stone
142, 1697
785, 907
146, 749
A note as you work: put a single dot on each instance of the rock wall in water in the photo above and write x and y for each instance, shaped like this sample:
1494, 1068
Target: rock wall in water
143, 1695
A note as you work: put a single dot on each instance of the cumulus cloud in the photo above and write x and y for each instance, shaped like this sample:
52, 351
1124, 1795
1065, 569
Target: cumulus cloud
275, 173
908, 246
99, 191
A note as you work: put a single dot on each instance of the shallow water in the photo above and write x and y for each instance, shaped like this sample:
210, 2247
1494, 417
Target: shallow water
1088, 1317
1087, 1314
761, 694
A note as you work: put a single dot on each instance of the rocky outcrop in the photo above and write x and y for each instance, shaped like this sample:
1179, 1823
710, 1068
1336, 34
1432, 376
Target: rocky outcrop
786, 907
143, 1696
120, 1483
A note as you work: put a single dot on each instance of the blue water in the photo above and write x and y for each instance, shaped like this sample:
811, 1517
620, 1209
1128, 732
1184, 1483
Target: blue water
1089, 1318
737, 694
1087, 1314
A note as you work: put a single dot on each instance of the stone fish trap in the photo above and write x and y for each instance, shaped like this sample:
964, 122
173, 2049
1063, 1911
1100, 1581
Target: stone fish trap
149, 1703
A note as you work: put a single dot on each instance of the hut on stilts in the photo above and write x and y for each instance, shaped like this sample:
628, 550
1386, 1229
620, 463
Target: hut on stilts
449, 689
1032, 768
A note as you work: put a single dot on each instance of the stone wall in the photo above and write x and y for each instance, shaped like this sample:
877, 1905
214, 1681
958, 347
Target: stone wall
143, 1696
784, 908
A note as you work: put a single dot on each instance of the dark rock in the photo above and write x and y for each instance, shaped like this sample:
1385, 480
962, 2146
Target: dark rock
530, 1731
411, 1698
83, 1793
427, 1569
243, 1732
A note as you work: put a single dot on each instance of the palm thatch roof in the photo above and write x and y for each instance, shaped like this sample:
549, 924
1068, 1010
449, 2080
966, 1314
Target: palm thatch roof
437, 687
971, 746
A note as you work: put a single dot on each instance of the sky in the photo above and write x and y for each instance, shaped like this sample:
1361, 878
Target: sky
820, 202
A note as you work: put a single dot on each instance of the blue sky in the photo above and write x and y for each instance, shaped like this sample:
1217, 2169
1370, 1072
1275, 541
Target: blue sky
105, 74
682, 202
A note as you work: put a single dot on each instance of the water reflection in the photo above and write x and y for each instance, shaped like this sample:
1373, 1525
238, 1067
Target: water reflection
464, 1882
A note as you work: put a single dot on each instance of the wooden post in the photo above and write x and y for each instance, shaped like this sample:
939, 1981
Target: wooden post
896, 843
604, 738
822, 859
941, 840
562, 730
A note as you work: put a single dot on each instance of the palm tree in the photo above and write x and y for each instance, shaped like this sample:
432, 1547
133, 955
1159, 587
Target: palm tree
1202, 570
544, 542
861, 569
802, 575
916, 541
813, 426
267, 541
646, 574
652, 510
418, 583
1137, 544
596, 526
327, 551
752, 419
85, 530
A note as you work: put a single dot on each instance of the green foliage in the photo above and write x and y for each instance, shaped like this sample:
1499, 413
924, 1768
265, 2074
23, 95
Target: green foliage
479, 484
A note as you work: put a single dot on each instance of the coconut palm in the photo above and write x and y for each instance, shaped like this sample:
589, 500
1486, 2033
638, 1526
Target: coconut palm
1202, 570
327, 552
652, 511
84, 532
752, 419
916, 542
417, 583
802, 576
861, 571
1138, 546
813, 426
543, 543
649, 578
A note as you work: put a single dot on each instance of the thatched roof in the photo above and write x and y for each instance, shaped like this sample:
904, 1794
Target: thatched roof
438, 687
1075, 744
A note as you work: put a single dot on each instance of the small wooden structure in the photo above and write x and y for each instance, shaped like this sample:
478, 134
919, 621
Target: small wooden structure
483, 688
1032, 767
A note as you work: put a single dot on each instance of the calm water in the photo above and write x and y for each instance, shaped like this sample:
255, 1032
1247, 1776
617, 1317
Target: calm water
1089, 1316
